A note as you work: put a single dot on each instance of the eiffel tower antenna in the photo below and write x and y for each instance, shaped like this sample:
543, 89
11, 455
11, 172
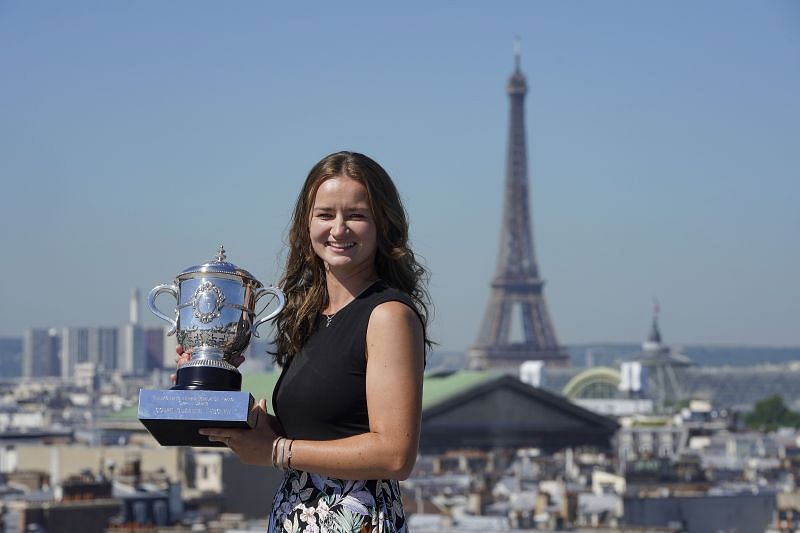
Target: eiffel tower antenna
516, 285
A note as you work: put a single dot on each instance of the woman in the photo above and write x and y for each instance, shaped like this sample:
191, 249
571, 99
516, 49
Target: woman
351, 341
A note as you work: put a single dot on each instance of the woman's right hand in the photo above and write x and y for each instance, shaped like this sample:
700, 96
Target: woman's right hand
181, 358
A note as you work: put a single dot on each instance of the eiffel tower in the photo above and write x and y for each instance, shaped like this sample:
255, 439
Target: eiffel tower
516, 284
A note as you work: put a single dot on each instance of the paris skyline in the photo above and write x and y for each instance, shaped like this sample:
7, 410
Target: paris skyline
662, 149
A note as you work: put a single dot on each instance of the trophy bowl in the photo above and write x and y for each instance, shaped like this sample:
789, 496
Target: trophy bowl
215, 319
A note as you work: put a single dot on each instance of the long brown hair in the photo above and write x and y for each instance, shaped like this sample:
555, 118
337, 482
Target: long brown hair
303, 279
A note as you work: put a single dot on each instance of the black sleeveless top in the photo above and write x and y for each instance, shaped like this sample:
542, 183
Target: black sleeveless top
321, 393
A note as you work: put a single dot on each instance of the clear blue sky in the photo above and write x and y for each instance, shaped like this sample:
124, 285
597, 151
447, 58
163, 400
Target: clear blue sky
663, 137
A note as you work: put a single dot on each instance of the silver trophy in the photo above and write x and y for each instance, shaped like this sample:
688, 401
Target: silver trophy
215, 317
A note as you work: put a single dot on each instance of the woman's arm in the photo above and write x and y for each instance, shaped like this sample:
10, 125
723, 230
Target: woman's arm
395, 363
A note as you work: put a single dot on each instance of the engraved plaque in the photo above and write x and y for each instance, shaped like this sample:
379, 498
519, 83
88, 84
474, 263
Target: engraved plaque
173, 417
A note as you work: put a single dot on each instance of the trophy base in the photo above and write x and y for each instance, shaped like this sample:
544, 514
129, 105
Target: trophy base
174, 416
197, 377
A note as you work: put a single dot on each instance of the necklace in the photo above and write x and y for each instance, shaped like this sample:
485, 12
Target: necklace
329, 318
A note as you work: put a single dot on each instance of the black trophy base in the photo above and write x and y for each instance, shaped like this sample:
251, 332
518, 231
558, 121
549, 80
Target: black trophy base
207, 378
203, 397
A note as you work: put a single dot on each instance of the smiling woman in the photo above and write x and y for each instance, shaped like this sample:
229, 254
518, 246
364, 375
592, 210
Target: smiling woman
352, 343
342, 229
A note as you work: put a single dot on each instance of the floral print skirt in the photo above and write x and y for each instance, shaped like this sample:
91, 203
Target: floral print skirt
310, 503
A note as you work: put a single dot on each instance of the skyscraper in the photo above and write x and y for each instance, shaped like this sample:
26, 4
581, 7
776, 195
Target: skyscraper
154, 347
74, 349
103, 346
40, 349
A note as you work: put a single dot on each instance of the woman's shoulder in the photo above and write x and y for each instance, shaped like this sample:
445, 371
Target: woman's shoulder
383, 295
381, 292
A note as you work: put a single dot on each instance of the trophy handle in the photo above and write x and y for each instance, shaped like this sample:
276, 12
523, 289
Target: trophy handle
151, 303
277, 293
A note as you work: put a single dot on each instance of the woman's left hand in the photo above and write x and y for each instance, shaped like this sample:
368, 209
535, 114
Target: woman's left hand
253, 446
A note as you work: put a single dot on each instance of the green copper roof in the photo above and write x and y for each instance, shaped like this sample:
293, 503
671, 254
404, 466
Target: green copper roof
438, 388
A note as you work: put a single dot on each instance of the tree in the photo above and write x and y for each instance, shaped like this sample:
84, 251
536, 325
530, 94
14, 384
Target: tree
771, 413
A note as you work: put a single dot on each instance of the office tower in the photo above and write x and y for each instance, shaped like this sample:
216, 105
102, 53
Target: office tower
40, 353
74, 349
154, 347
132, 356
10, 357
103, 346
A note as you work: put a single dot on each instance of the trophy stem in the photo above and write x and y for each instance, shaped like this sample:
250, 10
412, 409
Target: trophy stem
208, 352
